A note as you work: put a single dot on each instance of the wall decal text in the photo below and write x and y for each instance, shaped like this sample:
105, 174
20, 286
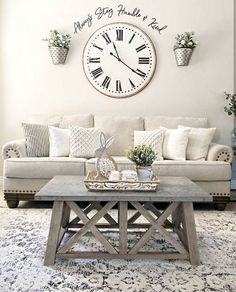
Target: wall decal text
108, 12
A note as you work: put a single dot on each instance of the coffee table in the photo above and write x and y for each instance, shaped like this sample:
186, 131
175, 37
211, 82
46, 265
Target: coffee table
176, 218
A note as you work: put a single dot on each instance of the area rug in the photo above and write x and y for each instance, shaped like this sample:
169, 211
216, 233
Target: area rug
23, 235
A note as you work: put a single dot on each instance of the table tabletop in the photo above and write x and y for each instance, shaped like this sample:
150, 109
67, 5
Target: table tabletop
171, 189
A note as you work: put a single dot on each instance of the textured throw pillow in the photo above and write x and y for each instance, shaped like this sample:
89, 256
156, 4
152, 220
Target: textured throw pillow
84, 141
175, 143
59, 140
36, 139
198, 142
151, 138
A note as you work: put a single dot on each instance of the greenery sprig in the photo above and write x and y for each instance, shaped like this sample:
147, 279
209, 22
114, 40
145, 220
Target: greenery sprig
142, 155
57, 39
185, 40
231, 109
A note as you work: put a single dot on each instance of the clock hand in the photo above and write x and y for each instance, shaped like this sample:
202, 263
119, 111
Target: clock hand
124, 63
116, 51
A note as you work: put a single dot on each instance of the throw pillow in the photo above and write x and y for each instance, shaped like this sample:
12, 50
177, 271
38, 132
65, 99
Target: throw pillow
175, 143
84, 141
36, 139
151, 138
198, 142
59, 140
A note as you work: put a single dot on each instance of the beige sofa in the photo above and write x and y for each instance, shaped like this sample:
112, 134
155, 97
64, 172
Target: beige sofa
24, 176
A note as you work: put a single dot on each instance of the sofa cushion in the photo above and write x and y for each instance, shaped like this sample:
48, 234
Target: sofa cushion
122, 128
121, 161
85, 121
154, 122
84, 141
199, 140
194, 170
151, 138
59, 141
36, 139
175, 143
43, 167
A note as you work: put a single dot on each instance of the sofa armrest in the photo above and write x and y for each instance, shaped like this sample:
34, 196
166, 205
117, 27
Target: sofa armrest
14, 149
219, 152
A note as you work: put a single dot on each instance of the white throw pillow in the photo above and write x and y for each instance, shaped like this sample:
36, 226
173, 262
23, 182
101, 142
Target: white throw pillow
175, 143
198, 142
84, 141
59, 140
151, 138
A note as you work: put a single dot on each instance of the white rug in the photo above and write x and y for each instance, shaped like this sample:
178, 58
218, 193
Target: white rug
23, 235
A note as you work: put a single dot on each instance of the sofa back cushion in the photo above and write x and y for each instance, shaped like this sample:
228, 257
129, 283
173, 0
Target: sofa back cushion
154, 122
122, 128
84, 121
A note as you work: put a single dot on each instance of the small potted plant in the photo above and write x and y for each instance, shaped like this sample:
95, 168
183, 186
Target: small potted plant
184, 47
58, 45
143, 156
231, 111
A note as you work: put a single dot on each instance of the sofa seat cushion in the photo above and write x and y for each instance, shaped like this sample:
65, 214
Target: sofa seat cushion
43, 167
194, 170
121, 161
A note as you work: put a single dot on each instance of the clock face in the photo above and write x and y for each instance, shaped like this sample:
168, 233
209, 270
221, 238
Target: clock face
119, 60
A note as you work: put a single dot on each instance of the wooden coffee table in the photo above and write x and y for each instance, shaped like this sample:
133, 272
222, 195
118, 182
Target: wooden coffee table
178, 217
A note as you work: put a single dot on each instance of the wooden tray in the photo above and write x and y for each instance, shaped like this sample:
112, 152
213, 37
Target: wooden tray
96, 184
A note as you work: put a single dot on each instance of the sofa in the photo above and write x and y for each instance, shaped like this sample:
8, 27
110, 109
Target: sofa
24, 176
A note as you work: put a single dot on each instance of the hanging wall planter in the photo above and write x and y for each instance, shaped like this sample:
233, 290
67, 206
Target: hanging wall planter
183, 56
58, 45
58, 54
183, 48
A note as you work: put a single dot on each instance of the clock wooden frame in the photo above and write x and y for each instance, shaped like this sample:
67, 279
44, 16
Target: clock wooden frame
152, 59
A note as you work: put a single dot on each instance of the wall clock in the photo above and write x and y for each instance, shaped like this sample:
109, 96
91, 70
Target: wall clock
119, 60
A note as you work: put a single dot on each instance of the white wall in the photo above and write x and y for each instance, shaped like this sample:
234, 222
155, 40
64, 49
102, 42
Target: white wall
30, 83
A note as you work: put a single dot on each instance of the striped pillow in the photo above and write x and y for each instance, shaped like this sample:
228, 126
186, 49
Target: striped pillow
36, 139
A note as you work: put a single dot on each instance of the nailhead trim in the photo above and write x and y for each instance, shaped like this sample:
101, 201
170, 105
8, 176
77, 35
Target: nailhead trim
13, 150
223, 153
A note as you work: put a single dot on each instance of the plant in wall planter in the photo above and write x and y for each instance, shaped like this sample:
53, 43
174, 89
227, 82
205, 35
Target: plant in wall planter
184, 47
231, 111
143, 156
58, 45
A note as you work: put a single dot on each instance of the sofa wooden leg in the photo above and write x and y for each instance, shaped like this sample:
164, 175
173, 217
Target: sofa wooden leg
220, 203
12, 203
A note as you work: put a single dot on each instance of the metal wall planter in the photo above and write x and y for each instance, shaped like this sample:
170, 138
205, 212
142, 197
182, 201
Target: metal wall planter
58, 54
183, 56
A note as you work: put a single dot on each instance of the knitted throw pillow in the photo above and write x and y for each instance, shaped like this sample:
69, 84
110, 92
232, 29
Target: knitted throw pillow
36, 139
84, 141
150, 138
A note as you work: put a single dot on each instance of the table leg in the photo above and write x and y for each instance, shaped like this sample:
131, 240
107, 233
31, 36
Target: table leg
54, 231
190, 232
123, 217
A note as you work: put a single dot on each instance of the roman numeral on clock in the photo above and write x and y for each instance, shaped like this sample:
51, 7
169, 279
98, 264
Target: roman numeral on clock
97, 47
94, 60
118, 85
106, 82
119, 34
143, 60
132, 84
140, 73
97, 72
139, 49
130, 41
107, 39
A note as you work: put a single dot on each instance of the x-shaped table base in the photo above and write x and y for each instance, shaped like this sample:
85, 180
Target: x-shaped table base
178, 217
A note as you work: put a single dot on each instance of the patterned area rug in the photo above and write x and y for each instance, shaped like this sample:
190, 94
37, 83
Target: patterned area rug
23, 234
